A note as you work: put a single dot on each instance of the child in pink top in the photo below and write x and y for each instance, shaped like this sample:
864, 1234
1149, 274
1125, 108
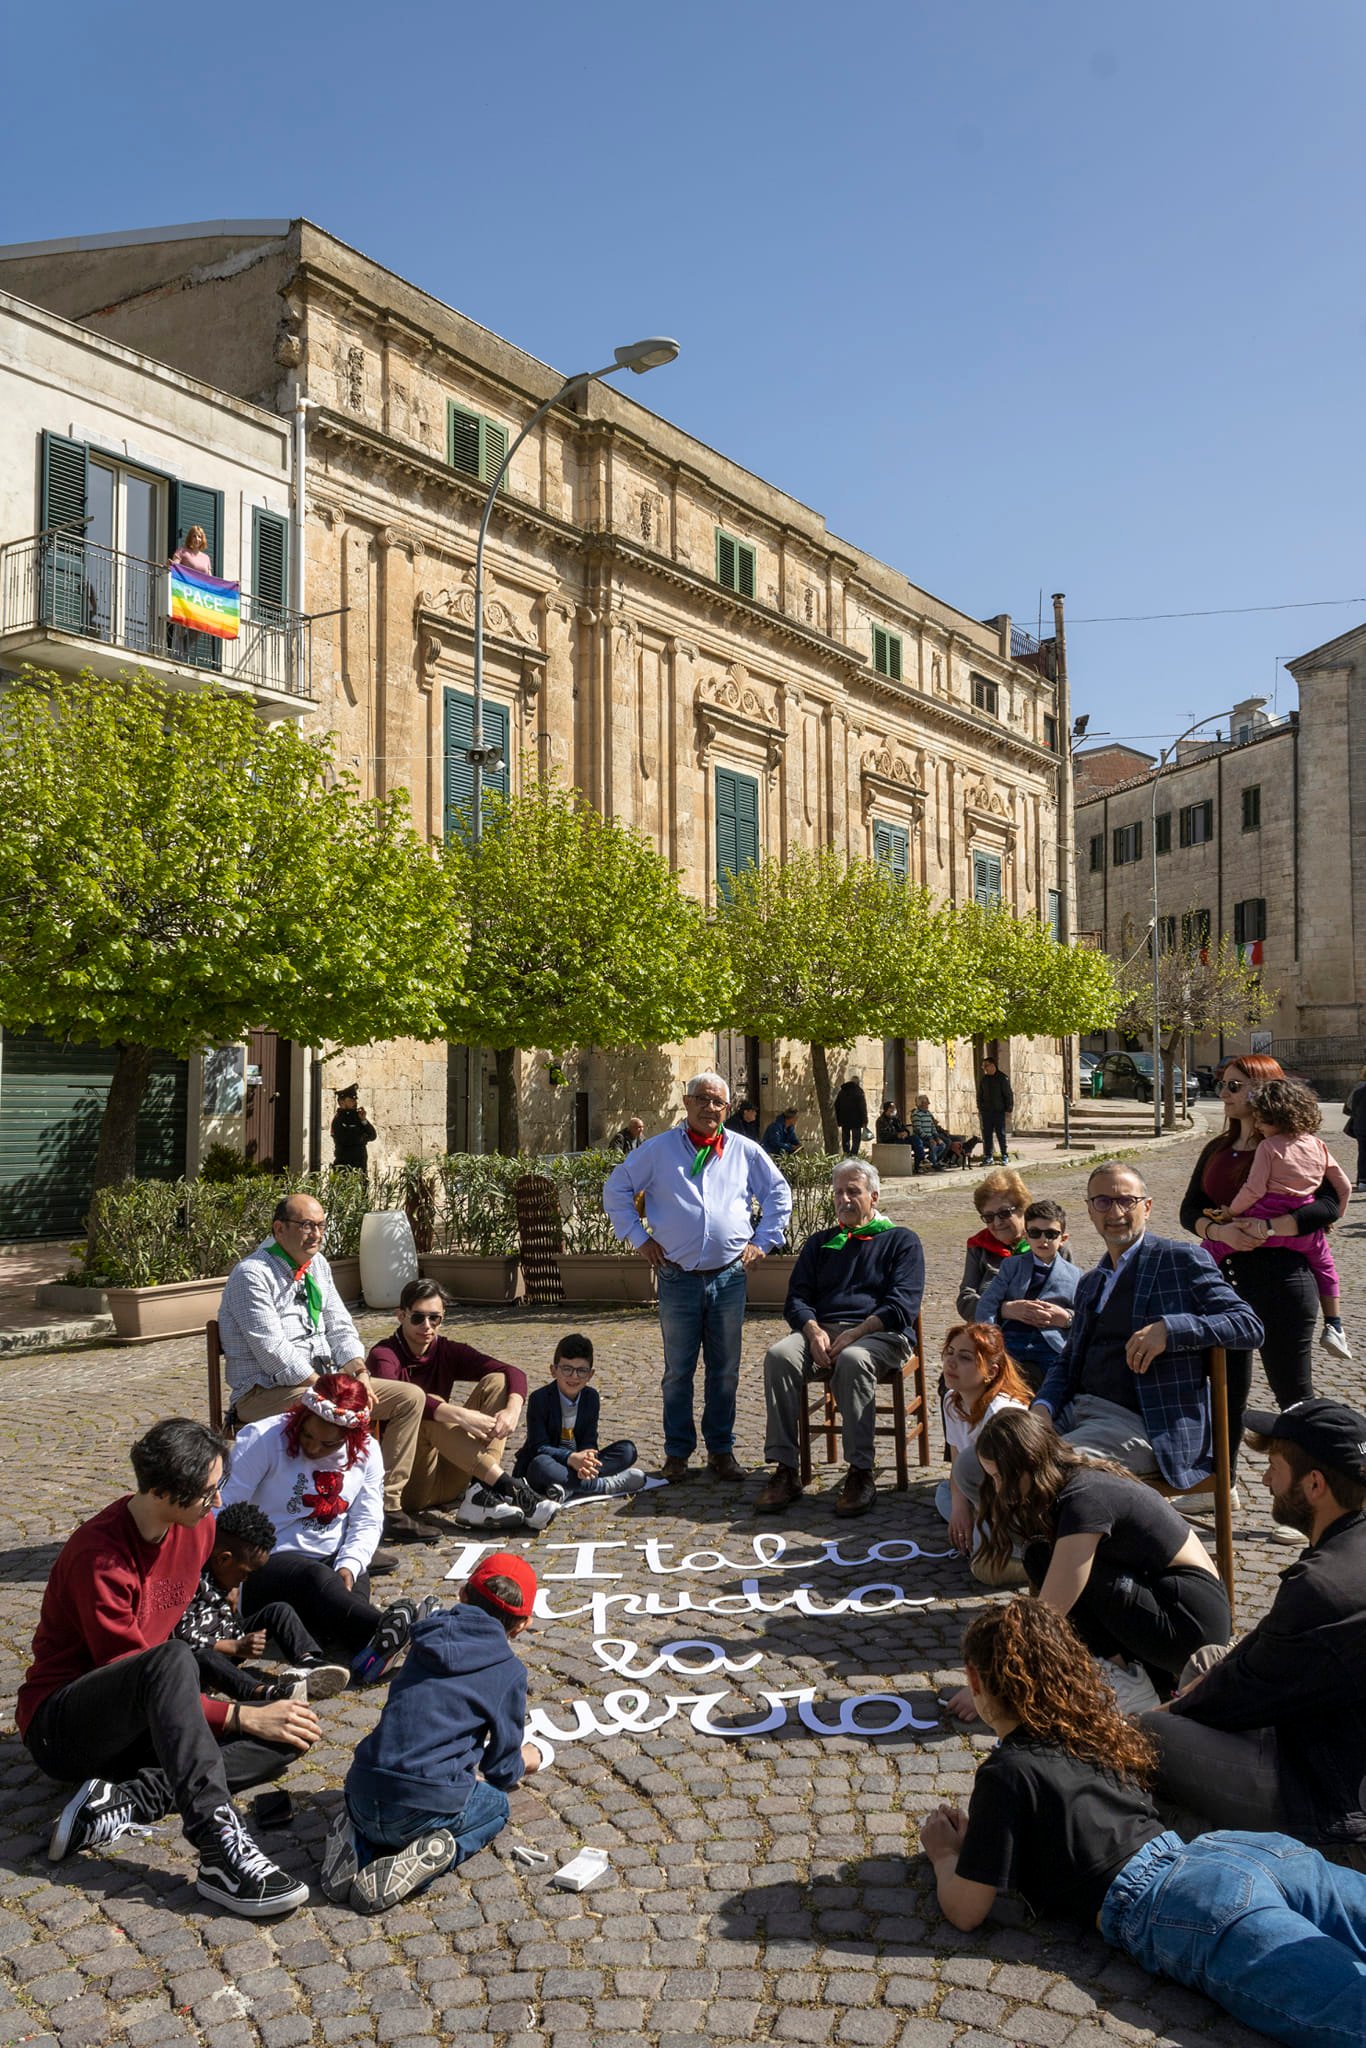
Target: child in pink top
1288, 1168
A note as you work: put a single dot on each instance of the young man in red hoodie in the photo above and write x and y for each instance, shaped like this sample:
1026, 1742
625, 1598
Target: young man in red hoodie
110, 1690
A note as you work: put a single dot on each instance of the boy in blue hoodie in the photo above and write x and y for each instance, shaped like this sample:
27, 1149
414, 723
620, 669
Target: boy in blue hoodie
428, 1785
1032, 1293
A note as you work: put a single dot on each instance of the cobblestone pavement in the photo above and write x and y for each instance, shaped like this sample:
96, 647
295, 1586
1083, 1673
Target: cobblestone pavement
761, 1887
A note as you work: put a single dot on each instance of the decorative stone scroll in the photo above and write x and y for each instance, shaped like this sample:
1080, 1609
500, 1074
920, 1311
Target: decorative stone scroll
887, 775
732, 704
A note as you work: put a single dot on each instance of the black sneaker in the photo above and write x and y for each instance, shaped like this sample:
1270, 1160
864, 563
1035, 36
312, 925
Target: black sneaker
370, 1665
538, 1509
382, 1564
102, 1811
235, 1874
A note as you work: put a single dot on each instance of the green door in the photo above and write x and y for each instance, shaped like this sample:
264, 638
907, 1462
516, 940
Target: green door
52, 1097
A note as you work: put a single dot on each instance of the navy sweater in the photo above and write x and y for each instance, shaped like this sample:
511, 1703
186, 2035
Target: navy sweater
456, 1710
882, 1276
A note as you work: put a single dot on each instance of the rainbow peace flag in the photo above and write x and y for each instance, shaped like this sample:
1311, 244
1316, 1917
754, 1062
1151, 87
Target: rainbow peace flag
206, 603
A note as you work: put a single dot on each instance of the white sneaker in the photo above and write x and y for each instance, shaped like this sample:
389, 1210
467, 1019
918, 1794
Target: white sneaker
538, 1510
1201, 1503
629, 1481
1281, 1532
483, 1509
1334, 1340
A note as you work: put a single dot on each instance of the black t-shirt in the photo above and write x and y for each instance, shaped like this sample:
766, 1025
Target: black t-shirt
1138, 1529
1051, 1828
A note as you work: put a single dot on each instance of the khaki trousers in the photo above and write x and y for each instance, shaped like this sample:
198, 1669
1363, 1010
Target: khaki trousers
398, 1405
445, 1459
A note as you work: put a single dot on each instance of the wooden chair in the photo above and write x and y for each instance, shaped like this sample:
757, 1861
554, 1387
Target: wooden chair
215, 1351
818, 1411
1220, 1482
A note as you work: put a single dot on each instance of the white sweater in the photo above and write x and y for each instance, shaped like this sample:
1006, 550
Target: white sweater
291, 1491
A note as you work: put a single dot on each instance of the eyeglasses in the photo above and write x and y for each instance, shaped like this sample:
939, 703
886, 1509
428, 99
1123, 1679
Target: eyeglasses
204, 1500
1105, 1203
573, 1372
426, 1315
1045, 1235
1000, 1215
1229, 1087
306, 1229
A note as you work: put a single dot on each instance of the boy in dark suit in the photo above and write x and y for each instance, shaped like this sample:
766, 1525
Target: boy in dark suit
560, 1458
1032, 1294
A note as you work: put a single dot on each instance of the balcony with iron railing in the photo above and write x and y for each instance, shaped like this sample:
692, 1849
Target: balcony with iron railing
65, 600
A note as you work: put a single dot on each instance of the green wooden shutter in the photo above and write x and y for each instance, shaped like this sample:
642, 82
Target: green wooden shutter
892, 849
725, 560
744, 562
196, 505
986, 879
737, 826
269, 564
894, 657
462, 438
458, 773
494, 450
66, 469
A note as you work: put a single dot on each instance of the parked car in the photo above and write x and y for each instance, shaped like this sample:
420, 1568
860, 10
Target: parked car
1087, 1062
1204, 1080
1131, 1074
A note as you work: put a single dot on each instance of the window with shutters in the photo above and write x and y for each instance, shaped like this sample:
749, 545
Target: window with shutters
269, 566
1166, 935
1252, 807
1050, 732
986, 695
1162, 832
1054, 919
458, 770
892, 849
737, 826
1197, 823
1249, 920
887, 653
473, 443
1097, 852
734, 564
1195, 930
1128, 844
986, 879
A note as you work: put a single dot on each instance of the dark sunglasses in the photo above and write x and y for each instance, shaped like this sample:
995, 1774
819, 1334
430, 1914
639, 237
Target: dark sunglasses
426, 1315
999, 1215
1044, 1234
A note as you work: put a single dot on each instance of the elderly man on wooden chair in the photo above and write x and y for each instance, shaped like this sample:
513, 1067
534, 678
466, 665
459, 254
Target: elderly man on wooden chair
852, 1304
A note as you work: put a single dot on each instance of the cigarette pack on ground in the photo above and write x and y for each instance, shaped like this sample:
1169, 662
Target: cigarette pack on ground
585, 1869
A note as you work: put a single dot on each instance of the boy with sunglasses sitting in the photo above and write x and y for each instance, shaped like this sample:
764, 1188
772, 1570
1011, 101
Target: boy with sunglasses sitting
1032, 1294
560, 1459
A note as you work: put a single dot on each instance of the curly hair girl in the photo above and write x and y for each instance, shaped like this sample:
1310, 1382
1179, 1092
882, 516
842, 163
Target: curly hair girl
1286, 1106
1031, 1660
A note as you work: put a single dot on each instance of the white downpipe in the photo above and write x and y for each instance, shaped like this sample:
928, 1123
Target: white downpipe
297, 584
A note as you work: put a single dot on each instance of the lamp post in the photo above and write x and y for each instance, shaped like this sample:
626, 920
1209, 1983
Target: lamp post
1167, 753
639, 356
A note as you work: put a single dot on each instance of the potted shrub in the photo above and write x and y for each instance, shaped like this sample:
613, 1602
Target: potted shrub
812, 1209
472, 1228
595, 1266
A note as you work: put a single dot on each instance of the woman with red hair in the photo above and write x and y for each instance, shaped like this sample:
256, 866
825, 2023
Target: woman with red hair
316, 1472
1281, 1290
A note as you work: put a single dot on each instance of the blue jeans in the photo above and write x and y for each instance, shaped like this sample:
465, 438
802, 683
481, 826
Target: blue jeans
550, 1467
1258, 1922
706, 1313
382, 1829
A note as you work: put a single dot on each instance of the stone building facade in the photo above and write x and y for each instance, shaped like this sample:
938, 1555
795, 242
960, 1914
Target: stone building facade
1258, 845
687, 644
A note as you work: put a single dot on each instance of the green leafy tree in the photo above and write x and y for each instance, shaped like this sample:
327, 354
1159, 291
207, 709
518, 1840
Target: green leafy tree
826, 950
1018, 982
579, 934
1202, 990
175, 872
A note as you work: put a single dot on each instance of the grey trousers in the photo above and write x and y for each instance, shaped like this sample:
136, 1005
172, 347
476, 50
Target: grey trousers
1101, 1427
857, 1370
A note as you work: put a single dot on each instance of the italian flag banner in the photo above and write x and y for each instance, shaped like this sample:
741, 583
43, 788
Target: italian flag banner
1250, 953
206, 603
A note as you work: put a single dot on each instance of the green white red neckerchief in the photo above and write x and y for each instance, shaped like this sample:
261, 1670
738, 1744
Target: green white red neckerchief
874, 1227
313, 1294
707, 1148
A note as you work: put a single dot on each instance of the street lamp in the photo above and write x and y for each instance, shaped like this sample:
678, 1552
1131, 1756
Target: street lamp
638, 356
1166, 755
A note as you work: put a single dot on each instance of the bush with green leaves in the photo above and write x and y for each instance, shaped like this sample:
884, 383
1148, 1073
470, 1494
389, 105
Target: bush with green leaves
148, 1233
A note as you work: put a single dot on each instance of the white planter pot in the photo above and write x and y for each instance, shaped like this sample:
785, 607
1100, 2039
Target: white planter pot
388, 1257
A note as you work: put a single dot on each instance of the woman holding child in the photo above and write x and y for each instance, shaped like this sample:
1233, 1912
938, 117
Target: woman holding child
1278, 1285
1060, 1812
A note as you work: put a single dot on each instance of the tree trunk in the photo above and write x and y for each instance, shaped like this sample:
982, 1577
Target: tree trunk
1169, 1081
116, 1157
509, 1109
820, 1068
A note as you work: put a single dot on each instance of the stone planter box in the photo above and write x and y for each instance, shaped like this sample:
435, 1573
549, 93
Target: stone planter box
606, 1277
472, 1276
894, 1162
346, 1273
143, 1315
769, 1280
76, 1301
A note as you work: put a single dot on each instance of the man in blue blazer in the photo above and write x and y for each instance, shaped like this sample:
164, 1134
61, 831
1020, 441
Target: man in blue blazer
1131, 1382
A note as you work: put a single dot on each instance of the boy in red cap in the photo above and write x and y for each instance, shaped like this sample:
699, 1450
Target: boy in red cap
429, 1783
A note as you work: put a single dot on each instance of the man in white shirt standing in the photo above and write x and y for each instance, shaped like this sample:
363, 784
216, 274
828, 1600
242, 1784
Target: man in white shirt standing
282, 1323
699, 1184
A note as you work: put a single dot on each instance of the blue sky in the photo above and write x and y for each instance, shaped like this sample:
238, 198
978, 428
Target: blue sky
1022, 297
